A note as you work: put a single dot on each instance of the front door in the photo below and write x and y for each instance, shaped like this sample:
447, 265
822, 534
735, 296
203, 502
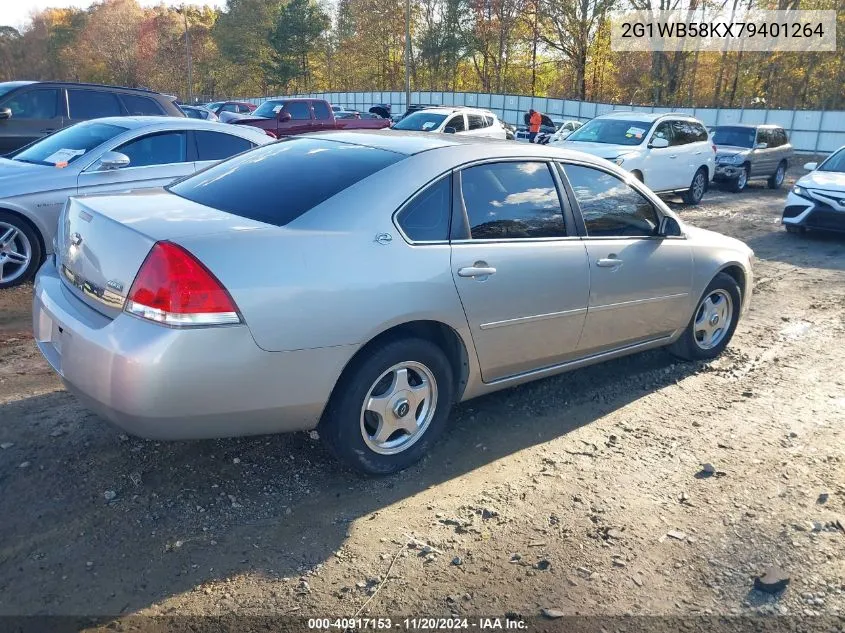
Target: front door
640, 283
661, 163
519, 268
36, 112
155, 160
300, 118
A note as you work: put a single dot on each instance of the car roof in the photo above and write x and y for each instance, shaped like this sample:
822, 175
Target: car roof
92, 85
16, 84
173, 123
645, 116
453, 109
751, 126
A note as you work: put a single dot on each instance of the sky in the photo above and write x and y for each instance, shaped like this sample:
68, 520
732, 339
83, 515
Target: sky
16, 12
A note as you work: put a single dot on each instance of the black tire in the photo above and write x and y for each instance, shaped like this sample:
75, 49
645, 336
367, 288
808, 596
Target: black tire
776, 179
738, 184
697, 187
687, 346
25, 239
341, 427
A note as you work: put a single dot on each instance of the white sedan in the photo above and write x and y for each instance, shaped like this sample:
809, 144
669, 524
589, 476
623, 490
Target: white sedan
817, 201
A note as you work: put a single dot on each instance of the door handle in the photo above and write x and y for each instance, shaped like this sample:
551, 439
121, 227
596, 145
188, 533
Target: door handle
479, 269
673, 156
609, 262
48, 129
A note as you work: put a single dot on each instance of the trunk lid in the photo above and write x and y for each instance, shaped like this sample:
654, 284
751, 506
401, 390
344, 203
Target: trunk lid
103, 240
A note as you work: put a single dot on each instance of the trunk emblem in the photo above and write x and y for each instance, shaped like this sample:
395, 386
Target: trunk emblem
384, 238
76, 239
115, 285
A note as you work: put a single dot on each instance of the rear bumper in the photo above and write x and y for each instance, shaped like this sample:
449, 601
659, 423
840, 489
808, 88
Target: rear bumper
167, 383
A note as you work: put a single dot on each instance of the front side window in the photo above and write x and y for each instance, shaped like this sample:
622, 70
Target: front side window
610, 207
321, 111
457, 123
217, 145
512, 200
156, 149
41, 103
426, 217
69, 144
243, 109
92, 104
664, 130
304, 171
298, 110
229, 107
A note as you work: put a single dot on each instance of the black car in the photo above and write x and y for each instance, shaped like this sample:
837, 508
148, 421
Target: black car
30, 110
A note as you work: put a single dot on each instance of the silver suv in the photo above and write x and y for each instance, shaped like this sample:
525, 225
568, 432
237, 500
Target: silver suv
744, 152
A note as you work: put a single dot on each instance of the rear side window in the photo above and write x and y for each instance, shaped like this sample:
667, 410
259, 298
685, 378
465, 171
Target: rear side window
156, 149
321, 110
92, 104
279, 182
511, 201
476, 121
298, 110
426, 217
217, 145
142, 106
41, 103
699, 132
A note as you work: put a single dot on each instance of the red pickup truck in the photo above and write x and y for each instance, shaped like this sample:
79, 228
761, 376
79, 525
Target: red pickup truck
284, 117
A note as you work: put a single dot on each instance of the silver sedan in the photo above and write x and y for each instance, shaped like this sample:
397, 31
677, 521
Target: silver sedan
361, 283
102, 155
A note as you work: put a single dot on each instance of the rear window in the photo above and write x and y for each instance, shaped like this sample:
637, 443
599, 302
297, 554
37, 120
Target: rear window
279, 182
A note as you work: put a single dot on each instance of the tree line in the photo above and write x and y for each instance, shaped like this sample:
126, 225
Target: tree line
556, 48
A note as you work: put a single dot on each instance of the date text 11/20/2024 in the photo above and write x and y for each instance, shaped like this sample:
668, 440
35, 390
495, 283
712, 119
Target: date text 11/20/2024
417, 624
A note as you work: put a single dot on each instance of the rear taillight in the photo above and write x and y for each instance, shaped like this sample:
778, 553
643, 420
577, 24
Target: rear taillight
174, 288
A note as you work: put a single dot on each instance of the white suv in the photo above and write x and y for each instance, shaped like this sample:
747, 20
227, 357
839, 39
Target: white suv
668, 152
469, 121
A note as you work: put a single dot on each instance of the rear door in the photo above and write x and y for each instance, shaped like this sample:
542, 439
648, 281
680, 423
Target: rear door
85, 103
212, 147
155, 161
639, 283
36, 112
519, 267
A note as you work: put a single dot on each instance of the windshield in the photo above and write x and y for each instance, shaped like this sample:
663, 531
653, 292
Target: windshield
736, 136
69, 144
834, 162
420, 121
269, 109
611, 131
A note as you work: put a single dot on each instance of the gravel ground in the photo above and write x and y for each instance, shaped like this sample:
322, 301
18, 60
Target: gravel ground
585, 493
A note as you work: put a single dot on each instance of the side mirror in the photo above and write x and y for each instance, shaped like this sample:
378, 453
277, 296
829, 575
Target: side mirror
5, 113
284, 117
659, 143
761, 146
449, 130
810, 166
113, 160
669, 227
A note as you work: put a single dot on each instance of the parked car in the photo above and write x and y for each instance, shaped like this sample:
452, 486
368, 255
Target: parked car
30, 110
104, 155
668, 152
286, 117
547, 127
197, 112
223, 307
465, 121
238, 107
564, 130
817, 201
744, 152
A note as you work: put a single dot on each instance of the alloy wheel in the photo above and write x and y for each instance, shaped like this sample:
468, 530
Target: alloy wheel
779, 175
742, 179
713, 319
15, 252
698, 187
398, 408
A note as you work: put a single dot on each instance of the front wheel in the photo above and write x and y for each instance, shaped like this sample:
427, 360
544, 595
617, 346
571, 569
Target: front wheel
776, 179
697, 187
741, 181
389, 407
713, 323
20, 251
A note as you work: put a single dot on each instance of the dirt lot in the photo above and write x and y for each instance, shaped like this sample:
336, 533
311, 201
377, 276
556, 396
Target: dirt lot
578, 493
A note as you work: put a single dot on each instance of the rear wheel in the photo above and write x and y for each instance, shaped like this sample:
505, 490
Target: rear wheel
20, 250
776, 179
741, 181
389, 407
713, 323
697, 187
